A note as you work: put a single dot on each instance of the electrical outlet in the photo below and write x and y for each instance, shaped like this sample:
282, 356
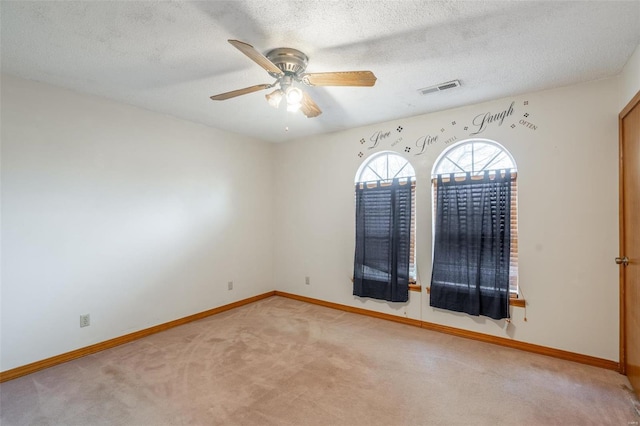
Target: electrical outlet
85, 320
230, 285
307, 280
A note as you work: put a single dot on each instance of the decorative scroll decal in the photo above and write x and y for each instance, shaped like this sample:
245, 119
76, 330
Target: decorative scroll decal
397, 141
377, 137
481, 121
451, 139
526, 123
467, 128
423, 142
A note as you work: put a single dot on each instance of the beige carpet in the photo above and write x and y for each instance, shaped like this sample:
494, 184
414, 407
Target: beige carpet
284, 362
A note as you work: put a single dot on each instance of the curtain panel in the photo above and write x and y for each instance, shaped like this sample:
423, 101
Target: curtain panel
472, 244
383, 239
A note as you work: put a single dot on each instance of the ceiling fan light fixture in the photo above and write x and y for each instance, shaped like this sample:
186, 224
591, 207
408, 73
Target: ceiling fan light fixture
294, 96
274, 98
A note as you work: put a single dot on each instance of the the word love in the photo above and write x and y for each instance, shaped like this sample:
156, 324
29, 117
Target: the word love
377, 137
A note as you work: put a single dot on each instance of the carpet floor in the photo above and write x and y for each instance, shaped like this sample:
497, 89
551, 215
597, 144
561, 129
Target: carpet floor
284, 362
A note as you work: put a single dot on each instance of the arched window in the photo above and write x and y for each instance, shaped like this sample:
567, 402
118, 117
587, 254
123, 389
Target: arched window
385, 227
385, 166
473, 156
463, 174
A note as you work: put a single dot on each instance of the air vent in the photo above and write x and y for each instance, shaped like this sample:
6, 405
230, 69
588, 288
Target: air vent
440, 87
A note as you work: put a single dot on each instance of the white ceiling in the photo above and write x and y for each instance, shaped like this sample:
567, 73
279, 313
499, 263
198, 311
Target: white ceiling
171, 56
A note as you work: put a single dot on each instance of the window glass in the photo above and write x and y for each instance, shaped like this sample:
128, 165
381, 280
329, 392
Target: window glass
475, 157
385, 166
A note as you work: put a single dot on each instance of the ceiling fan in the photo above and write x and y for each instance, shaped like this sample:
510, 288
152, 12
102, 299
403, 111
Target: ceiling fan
287, 66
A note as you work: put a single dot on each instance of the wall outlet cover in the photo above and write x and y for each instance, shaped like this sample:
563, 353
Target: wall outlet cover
85, 320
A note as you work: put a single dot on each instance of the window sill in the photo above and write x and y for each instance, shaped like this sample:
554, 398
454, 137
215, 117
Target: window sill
412, 286
513, 301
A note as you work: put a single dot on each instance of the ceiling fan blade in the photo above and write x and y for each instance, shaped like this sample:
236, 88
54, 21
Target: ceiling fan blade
234, 93
309, 107
341, 78
256, 57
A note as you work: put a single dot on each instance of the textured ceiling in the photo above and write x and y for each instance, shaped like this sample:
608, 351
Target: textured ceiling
171, 56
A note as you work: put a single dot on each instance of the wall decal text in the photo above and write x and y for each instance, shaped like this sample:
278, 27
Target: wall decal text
396, 142
377, 137
451, 139
423, 142
481, 121
527, 124
451, 132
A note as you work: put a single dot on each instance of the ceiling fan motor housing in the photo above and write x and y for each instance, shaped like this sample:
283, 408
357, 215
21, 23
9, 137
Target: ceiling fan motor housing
290, 61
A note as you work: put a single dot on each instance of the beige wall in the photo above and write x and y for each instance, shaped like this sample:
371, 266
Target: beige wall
630, 78
131, 216
566, 152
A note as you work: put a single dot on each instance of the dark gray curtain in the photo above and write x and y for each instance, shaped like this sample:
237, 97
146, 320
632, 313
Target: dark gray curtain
472, 245
383, 227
